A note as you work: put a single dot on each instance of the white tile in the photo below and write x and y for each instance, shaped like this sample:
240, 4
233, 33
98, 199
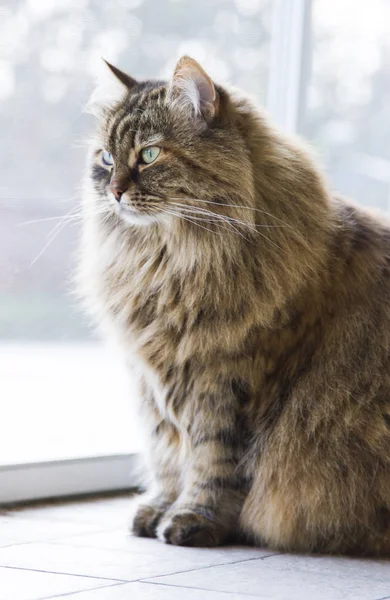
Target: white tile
111, 564
109, 512
149, 591
14, 530
33, 585
119, 539
294, 577
335, 565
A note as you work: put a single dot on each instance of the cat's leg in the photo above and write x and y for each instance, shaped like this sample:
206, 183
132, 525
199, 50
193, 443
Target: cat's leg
207, 511
163, 458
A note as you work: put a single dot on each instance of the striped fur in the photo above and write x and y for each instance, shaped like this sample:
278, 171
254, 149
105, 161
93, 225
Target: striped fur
254, 307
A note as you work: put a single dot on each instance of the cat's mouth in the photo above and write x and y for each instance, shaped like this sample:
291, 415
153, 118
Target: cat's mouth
140, 209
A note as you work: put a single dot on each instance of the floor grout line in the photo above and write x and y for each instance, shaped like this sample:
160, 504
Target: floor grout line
188, 587
207, 566
68, 574
102, 587
236, 562
68, 542
131, 552
142, 579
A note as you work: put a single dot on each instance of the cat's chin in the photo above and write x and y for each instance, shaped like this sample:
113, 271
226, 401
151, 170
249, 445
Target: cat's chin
134, 217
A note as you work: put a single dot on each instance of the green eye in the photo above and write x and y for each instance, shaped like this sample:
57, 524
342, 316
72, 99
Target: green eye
150, 154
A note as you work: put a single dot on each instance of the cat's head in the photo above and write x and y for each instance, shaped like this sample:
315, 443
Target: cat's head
170, 150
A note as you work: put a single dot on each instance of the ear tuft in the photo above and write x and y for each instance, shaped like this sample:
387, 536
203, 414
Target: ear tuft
125, 79
192, 90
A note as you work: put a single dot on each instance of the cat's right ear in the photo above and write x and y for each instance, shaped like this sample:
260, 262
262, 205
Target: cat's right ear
123, 77
193, 92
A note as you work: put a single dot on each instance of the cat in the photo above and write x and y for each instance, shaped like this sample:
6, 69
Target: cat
254, 305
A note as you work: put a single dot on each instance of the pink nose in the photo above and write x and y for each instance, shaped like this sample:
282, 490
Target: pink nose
118, 188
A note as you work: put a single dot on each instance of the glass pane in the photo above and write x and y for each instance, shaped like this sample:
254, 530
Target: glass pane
348, 102
50, 55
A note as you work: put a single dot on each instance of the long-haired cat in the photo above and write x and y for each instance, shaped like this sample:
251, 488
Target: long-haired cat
255, 307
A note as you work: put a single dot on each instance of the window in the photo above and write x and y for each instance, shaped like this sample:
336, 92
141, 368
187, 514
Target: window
66, 401
322, 69
347, 112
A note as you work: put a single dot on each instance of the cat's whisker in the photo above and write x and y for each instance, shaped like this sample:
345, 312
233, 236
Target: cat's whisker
230, 221
203, 219
198, 215
216, 219
221, 222
48, 243
203, 215
70, 217
212, 214
62, 223
235, 206
181, 216
44, 220
251, 226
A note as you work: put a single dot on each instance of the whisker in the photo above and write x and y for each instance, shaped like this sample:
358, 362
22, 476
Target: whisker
236, 206
210, 213
71, 217
215, 218
68, 218
206, 218
175, 214
48, 243
203, 219
62, 222
215, 222
60, 217
218, 215
228, 221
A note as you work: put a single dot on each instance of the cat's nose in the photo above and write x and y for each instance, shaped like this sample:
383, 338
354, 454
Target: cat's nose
118, 188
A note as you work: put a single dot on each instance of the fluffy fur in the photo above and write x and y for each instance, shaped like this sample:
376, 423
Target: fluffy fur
254, 306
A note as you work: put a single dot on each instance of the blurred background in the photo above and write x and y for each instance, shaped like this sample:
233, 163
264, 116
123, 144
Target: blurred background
50, 58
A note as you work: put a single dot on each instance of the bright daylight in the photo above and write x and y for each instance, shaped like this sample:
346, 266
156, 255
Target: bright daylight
195, 299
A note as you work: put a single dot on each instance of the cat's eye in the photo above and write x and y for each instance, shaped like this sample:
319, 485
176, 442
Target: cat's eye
150, 154
107, 158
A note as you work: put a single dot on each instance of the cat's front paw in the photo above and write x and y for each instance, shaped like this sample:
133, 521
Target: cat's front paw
189, 529
146, 519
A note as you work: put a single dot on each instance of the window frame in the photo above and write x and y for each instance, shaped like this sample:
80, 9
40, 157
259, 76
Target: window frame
61, 478
290, 62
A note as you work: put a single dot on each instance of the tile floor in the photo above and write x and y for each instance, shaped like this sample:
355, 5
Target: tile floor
81, 551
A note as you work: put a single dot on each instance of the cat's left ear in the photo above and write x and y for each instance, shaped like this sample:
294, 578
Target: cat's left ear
123, 77
108, 89
192, 90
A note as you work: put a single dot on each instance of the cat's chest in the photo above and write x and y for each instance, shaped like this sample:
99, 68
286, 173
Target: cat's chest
142, 298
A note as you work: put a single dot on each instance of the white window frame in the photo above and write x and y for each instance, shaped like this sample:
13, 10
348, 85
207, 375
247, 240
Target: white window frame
290, 62
76, 477
286, 89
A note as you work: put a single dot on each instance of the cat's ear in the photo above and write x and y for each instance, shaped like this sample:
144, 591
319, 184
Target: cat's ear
192, 90
123, 77
108, 89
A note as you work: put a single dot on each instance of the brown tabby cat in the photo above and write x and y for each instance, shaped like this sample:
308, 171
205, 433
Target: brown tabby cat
256, 308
